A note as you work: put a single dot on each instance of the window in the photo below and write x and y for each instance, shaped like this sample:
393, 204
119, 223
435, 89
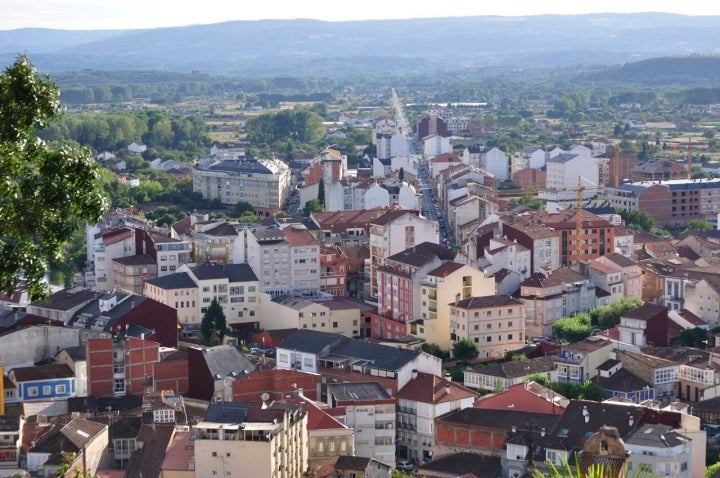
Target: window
335, 325
32, 391
214, 453
488, 339
60, 388
47, 390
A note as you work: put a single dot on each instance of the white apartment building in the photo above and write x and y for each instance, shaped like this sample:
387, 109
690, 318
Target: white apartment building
659, 449
370, 412
394, 232
420, 401
251, 439
235, 287
284, 258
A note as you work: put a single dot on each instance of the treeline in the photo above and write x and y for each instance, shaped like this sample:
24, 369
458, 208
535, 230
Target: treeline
85, 87
299, 125
113, 131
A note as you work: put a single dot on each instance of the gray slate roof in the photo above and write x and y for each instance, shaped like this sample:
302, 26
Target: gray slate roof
351, 391
226, 360
312, 341
179, 280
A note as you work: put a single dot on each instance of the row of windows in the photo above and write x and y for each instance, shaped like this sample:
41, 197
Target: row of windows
46, 390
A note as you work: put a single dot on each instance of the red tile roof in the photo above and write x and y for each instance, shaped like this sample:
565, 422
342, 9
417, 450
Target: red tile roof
297, 237
445, 269
428, 388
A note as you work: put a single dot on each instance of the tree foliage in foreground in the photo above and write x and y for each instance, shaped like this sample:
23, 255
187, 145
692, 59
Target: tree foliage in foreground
47, 191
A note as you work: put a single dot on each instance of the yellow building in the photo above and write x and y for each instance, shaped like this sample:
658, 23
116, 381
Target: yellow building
442, 286
338, 316
251, 439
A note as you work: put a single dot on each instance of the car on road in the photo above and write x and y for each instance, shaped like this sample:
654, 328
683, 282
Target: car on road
405, 465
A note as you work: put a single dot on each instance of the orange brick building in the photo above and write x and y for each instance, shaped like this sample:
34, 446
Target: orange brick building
481, 431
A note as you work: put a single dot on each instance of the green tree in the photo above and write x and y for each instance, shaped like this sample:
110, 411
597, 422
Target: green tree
213, 324
637, 220
401, 174
312, 206
465, 350
573, 329
695, 337
432, 349
698, 225
608, 316
48, 190
321, 192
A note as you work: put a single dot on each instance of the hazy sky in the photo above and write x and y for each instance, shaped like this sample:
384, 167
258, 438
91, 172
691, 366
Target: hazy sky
123, 14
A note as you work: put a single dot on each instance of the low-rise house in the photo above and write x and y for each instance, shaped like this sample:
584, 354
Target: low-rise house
179, 461
619, 382
328, 437
698, 374
83, 442
420, 401
338, 358
659, 449
631, 274
370, 412
564, 440
578, 362
484, 432
528, 396
115, 311
646, 325
334, 315
43, 382
147, 460
504, 375
75, 358
661, 374
462, 464
354, 467
213, 369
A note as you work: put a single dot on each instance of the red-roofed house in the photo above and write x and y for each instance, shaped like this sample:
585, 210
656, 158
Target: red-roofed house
328, 437
277, 383
420, 401
525, 397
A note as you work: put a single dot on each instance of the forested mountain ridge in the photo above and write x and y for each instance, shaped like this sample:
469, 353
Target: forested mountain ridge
312, 47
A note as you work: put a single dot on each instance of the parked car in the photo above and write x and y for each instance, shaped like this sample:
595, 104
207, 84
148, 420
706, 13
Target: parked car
405, 465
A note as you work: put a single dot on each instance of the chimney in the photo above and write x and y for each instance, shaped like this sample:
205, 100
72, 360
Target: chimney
447, 389
457, 298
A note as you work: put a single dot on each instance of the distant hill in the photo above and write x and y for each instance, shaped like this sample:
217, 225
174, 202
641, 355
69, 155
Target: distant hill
691, 70
314, 48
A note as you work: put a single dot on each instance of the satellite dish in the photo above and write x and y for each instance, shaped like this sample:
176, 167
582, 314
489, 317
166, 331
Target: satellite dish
265, 396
